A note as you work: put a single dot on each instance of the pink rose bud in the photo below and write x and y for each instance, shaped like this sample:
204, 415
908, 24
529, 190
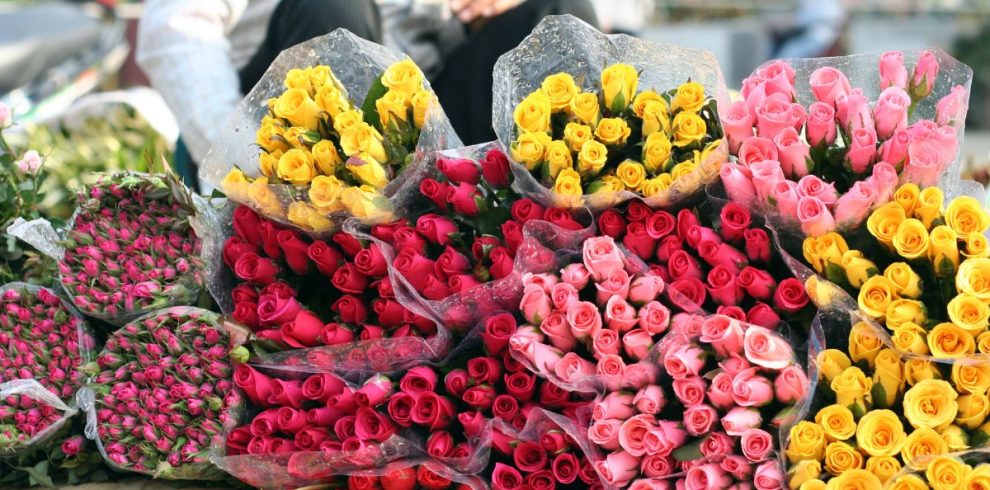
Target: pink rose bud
605, 433
720, 391
776, 113
654, 318
706, 476
757, 149
828, 84
738, 182
558, 331
620, 315
765, 348
740, 419
611, 368
602, 257
684, 361
699, 419
562, 295
885, 179
665, 438
766, 175
821, 129
633, 431
791, 384
650, 400
891, 112
545, 281
951, 109
854, 206
576, 275
572, 368
543, 358
814, 216
925, 159
535, 304
785, 194
618, 468
892, 70
948, 137
751, 390
925, 73
794, 152
644, 289
637, 343
738, 123
757, 444
768, 476
690, 391
853, 111
723, 333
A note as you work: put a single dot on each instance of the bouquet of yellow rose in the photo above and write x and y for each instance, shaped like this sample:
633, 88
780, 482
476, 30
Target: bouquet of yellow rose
610, 118
963, 471
921, 269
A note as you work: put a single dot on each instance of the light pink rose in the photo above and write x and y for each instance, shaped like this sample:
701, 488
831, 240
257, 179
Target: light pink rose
737, 123
741, 419
615, 284
545, 281
812, 186
614, 406
821, 130
637, 343
576, 275
766, 175
785, 194
925, 73
923, 128
585, 320
768, 476
654, 318
602, 257
776, 113
640, 375
611, 368
757, 444
862, 150
535, 304
891, 111
781, 71
717, 444
665, 438
723, 333
558, 331
892, 70
828, 83
605, 342
791, 384
738, 183
894, 150
793, 152
650, 400
925, 157
757, 149
734, 364
854, 206
737, 466
706, 477
572, 368
543, 358
853, 111
753, 91
751, 390
687, 324
644, 289
951, 109
699, 419
529, 332
765, 348
605, 433
690, 391
814, 216
656, 466
684, 361
633, 431
720, 391
948, 137
885, 179
562, 295
618, 468
620, 315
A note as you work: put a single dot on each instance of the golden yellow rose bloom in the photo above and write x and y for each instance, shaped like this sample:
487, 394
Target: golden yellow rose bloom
298, 108
656, 152
324, 192
568, 183
910, 337
917, 370
888, 378
858, 268
689, 128
298, 78
263, 198
584, 106
363, 138
852, 388
619, 86
421, 103
639, 103
813, 484
837, 421
685, 176
320, 75
268, 162
946, 473
831, 363
907, 283
362, 201
907, 196
920, 446
864, 344
326, 156
613, 131
911, 239
393, 108
530, 149
608, 183
823, 250
950, 340
973, 277
880, 433
591, 159
296, 167
631, 173
901, 311
575, 134
966, 216
656, 185
403, 76
655, 118
977, 479
841, 457
802, 471
558, 158
943, 250
908, 482
560, 89
931, 404
973, 409
332, 101
689, 97
976, 247
855, 480
346, 120
532, 115
929, 205
983, 343
367, 170
884, 222
306, 216
876, 295
969, 313
296, 137
885, 467
955, 438
270, 138
971, 378
235, 184
807, 441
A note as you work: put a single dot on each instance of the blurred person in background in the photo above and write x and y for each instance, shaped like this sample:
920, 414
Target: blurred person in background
205, 55
623, 16
811, 30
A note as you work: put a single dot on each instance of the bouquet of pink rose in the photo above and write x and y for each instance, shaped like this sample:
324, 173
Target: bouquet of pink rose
823, 164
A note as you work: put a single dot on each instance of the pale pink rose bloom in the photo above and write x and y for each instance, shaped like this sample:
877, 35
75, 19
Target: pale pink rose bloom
618, 468
853, 111
757, 444
723, 333
737, 123
562, 295
779, 70
529, 332
558, 331
654, 317
793, 152
734, 364
605, 433
652, 483
29, 163
572, 368
617, 405
699, 419
757, 149
654, 467
576, 275
777, 113
650, 400
637, 343
854, 206
814, 216
684, 361
765, 348
885, 179
688, 324
543, 358
707, 476
785, 194
821, 129
891, 111
951, 109
738, 183
602, 256
717, 444
741, 419
892, 70
644, 289
690, 391
791, 384
720, 391
862, 150
611, 368
766, 175
737, 466
633, 431
754, 92
768, 476
665, 438
543, 280
894, 150
751, 390
829, 83
813, 186
948, 137
535, 304
925, 157
925, 73
605, 342
620, 315
923, 128
640, 375
584, 318
615, 284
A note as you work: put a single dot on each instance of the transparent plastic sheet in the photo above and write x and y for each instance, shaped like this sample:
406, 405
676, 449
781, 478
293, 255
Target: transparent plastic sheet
34, 390
566, 44
357, 64
214, 229
974, 458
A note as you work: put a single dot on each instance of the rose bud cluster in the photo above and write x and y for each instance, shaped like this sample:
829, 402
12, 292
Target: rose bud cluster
713, 413
549, 459
164, 393
131, 248
426, 476
42, 341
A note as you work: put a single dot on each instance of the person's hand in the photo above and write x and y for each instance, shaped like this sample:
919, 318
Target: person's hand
470, 10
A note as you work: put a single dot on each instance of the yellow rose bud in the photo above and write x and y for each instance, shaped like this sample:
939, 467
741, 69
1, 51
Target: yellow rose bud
950, 340
403, 76
852, 389
682, 170
560, 89
299, 79
955, 438
908, 482
656, 185
689, 128
841, 457
575, 134
910, 338
831, 363
918, 370
929, 205
368, 170
326, 156
884, 222
263, 198
320, 75
421, 103
532, 115
606, 184
973, 277
837, 421
305, 216
584, 106
347, 119
324, 192
911, 239
530, 149
977, 479
297, 137
618, 86
803, 471
931, 404
270, 137
920, 446
689, 97
631, 173
907, 196
858, 268
558, 158
976, 247
983, 343
855, 480
864, 343
907, 283
943, 251
826, 249
568, 183
639, 103
591, 158
656, 152
888, 378
296, 167
814, 484
903, 311
268, 163
807, 441
966, 216
885, 467
613, 131
655, 118
880, 433
969, 313
393, 108
973, 409
946, 473
298, 108
332, 101
363, 138
235, 184
876, 295
361, 202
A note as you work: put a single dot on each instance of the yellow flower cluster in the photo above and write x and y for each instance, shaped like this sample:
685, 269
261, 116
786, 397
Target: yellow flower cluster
947, 473
616, 139
934, 296
889, 412
331, 157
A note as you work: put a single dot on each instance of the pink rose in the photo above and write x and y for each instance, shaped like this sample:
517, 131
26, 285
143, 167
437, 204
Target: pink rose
821, 129
738, 183
768, 476
650, 400
924, 163
722, 254
717, 444
750, 389
684, 361
737, 466
885, 179
925, 73
723, 333
620, 315
654, 318
687, 324
854, 206
605, 343
791, 384
757, 149
723, 286
644, 289
757, 444
545, 281
763, 315
785, 193
637, 343
853, 111
720, 391
633, 431
948, 137
776, 113
558, 331
640, 375
618, 468
862, 150
584, 319
616, 283
892, 70
605, 433
781, 72
665, 438
828, 83
543, 358
794, 152
812, 186
576, 275
951, 109
572, 368
765, 348
740, 419
562, 295
814, 216
535, 304
611, 368
690, 391
656, 466
614, 406
737, 123
602, 257
706, 476
891, 111
699, 419
734, 364
923, 128
766, 175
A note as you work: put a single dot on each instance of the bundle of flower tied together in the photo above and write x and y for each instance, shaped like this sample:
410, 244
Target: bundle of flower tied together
826, 165
327, 156
615, 139
131, 248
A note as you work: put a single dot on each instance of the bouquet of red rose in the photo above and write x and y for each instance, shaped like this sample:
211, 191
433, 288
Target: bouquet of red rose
401, 475
163, 394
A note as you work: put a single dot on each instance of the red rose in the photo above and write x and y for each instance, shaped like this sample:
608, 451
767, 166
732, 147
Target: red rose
295, 251
436, 192
400, 408
347, 242
402, 331
385, 232
418, 380
611, 223
250, 267
260, 445
554, 441
246, 313
660, 224
423, 324
758, 283
668, 245
505, 407
320, 387
722, 254
346, 426
541, 480
370, 425
687, 293
238, 440
587, 473
278, 289
349, 280
384, 286
407, 237
435, 228
456, 382
686, 219
479, 397
451, 263
290, 420
638, 211
683, 266
565, 468
440, 444
265, 423
502, 263
286, 393
698, 234
660, 271
276, 311
731, 312
638, 241
430, 480
562, 218
735, 221
234, 247
326, 257
511, 365
432, 411
520, 385
246, 223
274, 335
723, 286
413, 266
303, 331
506, 478
244, 293
512, 235
459, 170
350, 309
763, 315
790, 296
389, 312
473, 422
495, 168
362, 482
433, 288
483, 246
398, 477
498, 329
526, 209
255, 385
501, 442
371, 332
484, 370
757, 245
464, 199
268, 232
336, 334
371, 262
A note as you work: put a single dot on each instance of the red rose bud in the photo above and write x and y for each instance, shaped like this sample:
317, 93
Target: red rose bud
349, 280
611, 223
250, 267
687, 294
433, 288
397, 477
757, 245
362, 482
451, 263
526, 209
479, 397
247, 314
459, 170
505, 477
686, 219
562, 218
347, 242
554, 441
374, 391
790, 296
400, 408
495, 168
326, 257
722, 254
268, 232
414, 267
336, 334
350, 310
512, 234
276, 311
246, 223
432, 411
541, 480
385, 232
257, 386
278, 289
735, 221
758, 283
384, 287
483, 246
430, 480
418, 380
682, 265
389, 312
484, 370
510, 363
440, 444
668, 245
565, 468
232, 250
638, 241
529, 456
521, 385
763, 315
371, 332
244, 293
502, 263
723, 287
320, 387
732, 312
436, 192
303, 331
371, 262
436, 229
369, 425
286, 393
456, 382
505, 407
498, 329
464, 199
295, 251
637, 211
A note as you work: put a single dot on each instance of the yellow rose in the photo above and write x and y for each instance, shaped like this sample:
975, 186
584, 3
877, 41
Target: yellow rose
950, 340
656, 185
983, 343
296, 167
837, 421
880, 433
305, 216
689, 128
639, 103
943, 251
852, 389
888, 378
363, 138
807, 441
971, 378
918, 370
814, 484
876, 295
568, 183
618, 86
235, 184
907, 196
976, 247
298, 78
969, 313
324, 192
802, 471
268, 162
368, 171
403, 76
655, 118
296, 137
326, 156
841, 457
826, 249
955, 438
966, 216
911, 239
560, 89
910, 337
332, 101
973, 277
689, 97
631, 173
393, 108
864, 343
532, 115
575, 134
908, 482
929, 205
558, 158
978, 479
656, 152
973, 409
885, 467
903, 311
606, 183
320, 75
612, 131
946, 473
530, 149
421, 103
591, 158
831, 363
855, 480
362, 202
920, 446
907, 283
682, 170
584, 106
263, 198
884, 222
858, 268
347, 119
931, 404
270, 138
298, 108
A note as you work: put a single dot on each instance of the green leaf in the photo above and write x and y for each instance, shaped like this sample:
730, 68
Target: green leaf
835, 273
38, 474
879, 395
945, 268
369, 108
690, 452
